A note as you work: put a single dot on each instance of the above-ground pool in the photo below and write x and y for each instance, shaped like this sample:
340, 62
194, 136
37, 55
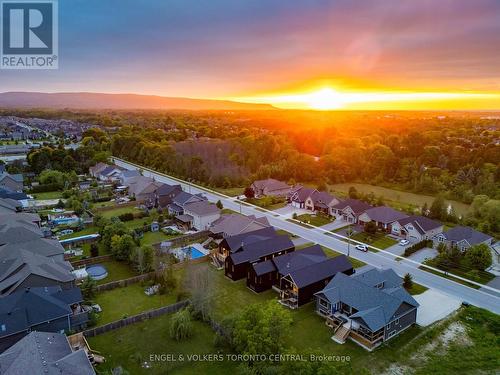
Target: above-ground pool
195, 253
97, 272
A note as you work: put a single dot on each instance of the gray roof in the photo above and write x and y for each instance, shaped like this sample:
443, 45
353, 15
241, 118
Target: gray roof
302, 194
130, 173
40, 246
17, 266
5, 192
27, 308
166, 189
271, 184
421, 223
15, 177
298, 259
322, 198
376, 307
233, 224
17, 231
315, 272
255, 250
183, 197
202, 208
356, 205
460, 233
261, 268
384, 214
235, 242
8, 204
44, 353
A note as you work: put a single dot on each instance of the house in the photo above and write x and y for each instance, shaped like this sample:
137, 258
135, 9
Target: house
203, 214
369, 307
127, 174
97, 169
322, 202
382, 216
12, 182
462, 238
110, 174
44, 353
49, 309
181, 199
233, 243
12, 194
237, 264
41, 246
233, 224
416, 228
270, 187
21, 269
350, 209
300, 284
8, 205
143, 189
166, 193
265, 275
299, 196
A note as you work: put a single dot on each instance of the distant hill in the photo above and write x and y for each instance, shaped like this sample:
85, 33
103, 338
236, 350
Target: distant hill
86, 100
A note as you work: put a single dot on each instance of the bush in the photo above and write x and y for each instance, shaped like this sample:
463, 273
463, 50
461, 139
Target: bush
181, 326
128, 216
370, 227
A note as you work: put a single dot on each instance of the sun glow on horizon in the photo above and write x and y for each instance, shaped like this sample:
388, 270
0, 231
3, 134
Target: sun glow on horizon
327, 98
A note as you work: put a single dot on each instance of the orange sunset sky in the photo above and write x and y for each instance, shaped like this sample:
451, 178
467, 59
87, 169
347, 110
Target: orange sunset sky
312, 54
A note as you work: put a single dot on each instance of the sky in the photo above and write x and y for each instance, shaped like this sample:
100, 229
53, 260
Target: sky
316, 54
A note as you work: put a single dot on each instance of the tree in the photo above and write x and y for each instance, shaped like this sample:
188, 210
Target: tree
249, 193
200, 285
181, 326
370, 227
88, 288
122, 246
94, 250
261, 329
438, 208
408, 281
322, 186
479, 257
142, 259
353, 193
219, 205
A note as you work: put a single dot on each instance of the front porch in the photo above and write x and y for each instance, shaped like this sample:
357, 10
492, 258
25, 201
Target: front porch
345, 327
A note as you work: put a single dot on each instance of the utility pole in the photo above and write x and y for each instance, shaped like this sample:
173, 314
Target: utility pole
349, 234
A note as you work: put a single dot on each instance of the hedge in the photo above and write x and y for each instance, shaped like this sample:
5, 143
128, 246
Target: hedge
416, 247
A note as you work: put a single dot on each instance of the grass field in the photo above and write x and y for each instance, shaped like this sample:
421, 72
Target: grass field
316, 220
124, 302
379, 240
129, 347
116, 271
232, 192
118, 211
88, 230
48, 195
151, 238
397, 198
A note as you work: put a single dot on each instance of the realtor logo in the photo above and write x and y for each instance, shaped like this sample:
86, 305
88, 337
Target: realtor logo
29, 37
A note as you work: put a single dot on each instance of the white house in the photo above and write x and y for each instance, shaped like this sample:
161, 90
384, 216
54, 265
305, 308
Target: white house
416, 228
203, 214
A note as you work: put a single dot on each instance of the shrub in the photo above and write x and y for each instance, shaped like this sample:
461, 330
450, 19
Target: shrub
181, 326
128, 216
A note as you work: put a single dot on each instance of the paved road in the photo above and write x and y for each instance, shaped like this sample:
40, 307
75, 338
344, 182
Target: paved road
378, 259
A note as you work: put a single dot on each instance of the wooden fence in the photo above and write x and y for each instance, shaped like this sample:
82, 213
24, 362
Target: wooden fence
94, 260
184, 240
125, 282
135, 319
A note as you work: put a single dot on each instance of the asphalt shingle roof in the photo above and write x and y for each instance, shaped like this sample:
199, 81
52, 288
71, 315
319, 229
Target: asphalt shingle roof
235, 242
384, 214
422, 223
255, 250
44, 353
472, 236
356, 205
318, 271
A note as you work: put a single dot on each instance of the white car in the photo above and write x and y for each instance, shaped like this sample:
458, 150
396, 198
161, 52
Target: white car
403, 242
362, 248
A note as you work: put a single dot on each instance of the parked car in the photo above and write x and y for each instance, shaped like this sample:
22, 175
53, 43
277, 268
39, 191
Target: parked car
362, 248
403, 242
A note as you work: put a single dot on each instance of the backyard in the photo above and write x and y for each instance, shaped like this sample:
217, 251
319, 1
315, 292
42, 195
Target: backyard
48, 195
123, 302
116, 271
397, 198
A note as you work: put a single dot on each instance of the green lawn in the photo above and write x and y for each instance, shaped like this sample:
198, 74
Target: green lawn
48, 195
378, 239
332, 253
483, 277
124, 302
397, 198
151, 238
316, 220
116, 271
130, 346
118, 211
417, 289
98, 205
265, 202
232, 192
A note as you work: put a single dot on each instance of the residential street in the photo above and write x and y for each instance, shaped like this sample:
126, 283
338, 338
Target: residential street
380, 259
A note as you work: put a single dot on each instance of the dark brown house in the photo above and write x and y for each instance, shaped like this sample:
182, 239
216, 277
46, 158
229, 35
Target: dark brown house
264, 275
238, 263
299, 286
234, 243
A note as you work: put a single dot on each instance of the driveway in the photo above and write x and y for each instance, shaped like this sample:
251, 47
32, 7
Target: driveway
435, 306
495, 283
397, 249
288, 211
338, 223
424, 254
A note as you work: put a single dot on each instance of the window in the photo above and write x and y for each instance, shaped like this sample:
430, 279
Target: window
4, 328
396, 321
388, 326
391, 334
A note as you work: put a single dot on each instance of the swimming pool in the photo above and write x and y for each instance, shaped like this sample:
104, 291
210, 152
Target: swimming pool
97, 272
195, 253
